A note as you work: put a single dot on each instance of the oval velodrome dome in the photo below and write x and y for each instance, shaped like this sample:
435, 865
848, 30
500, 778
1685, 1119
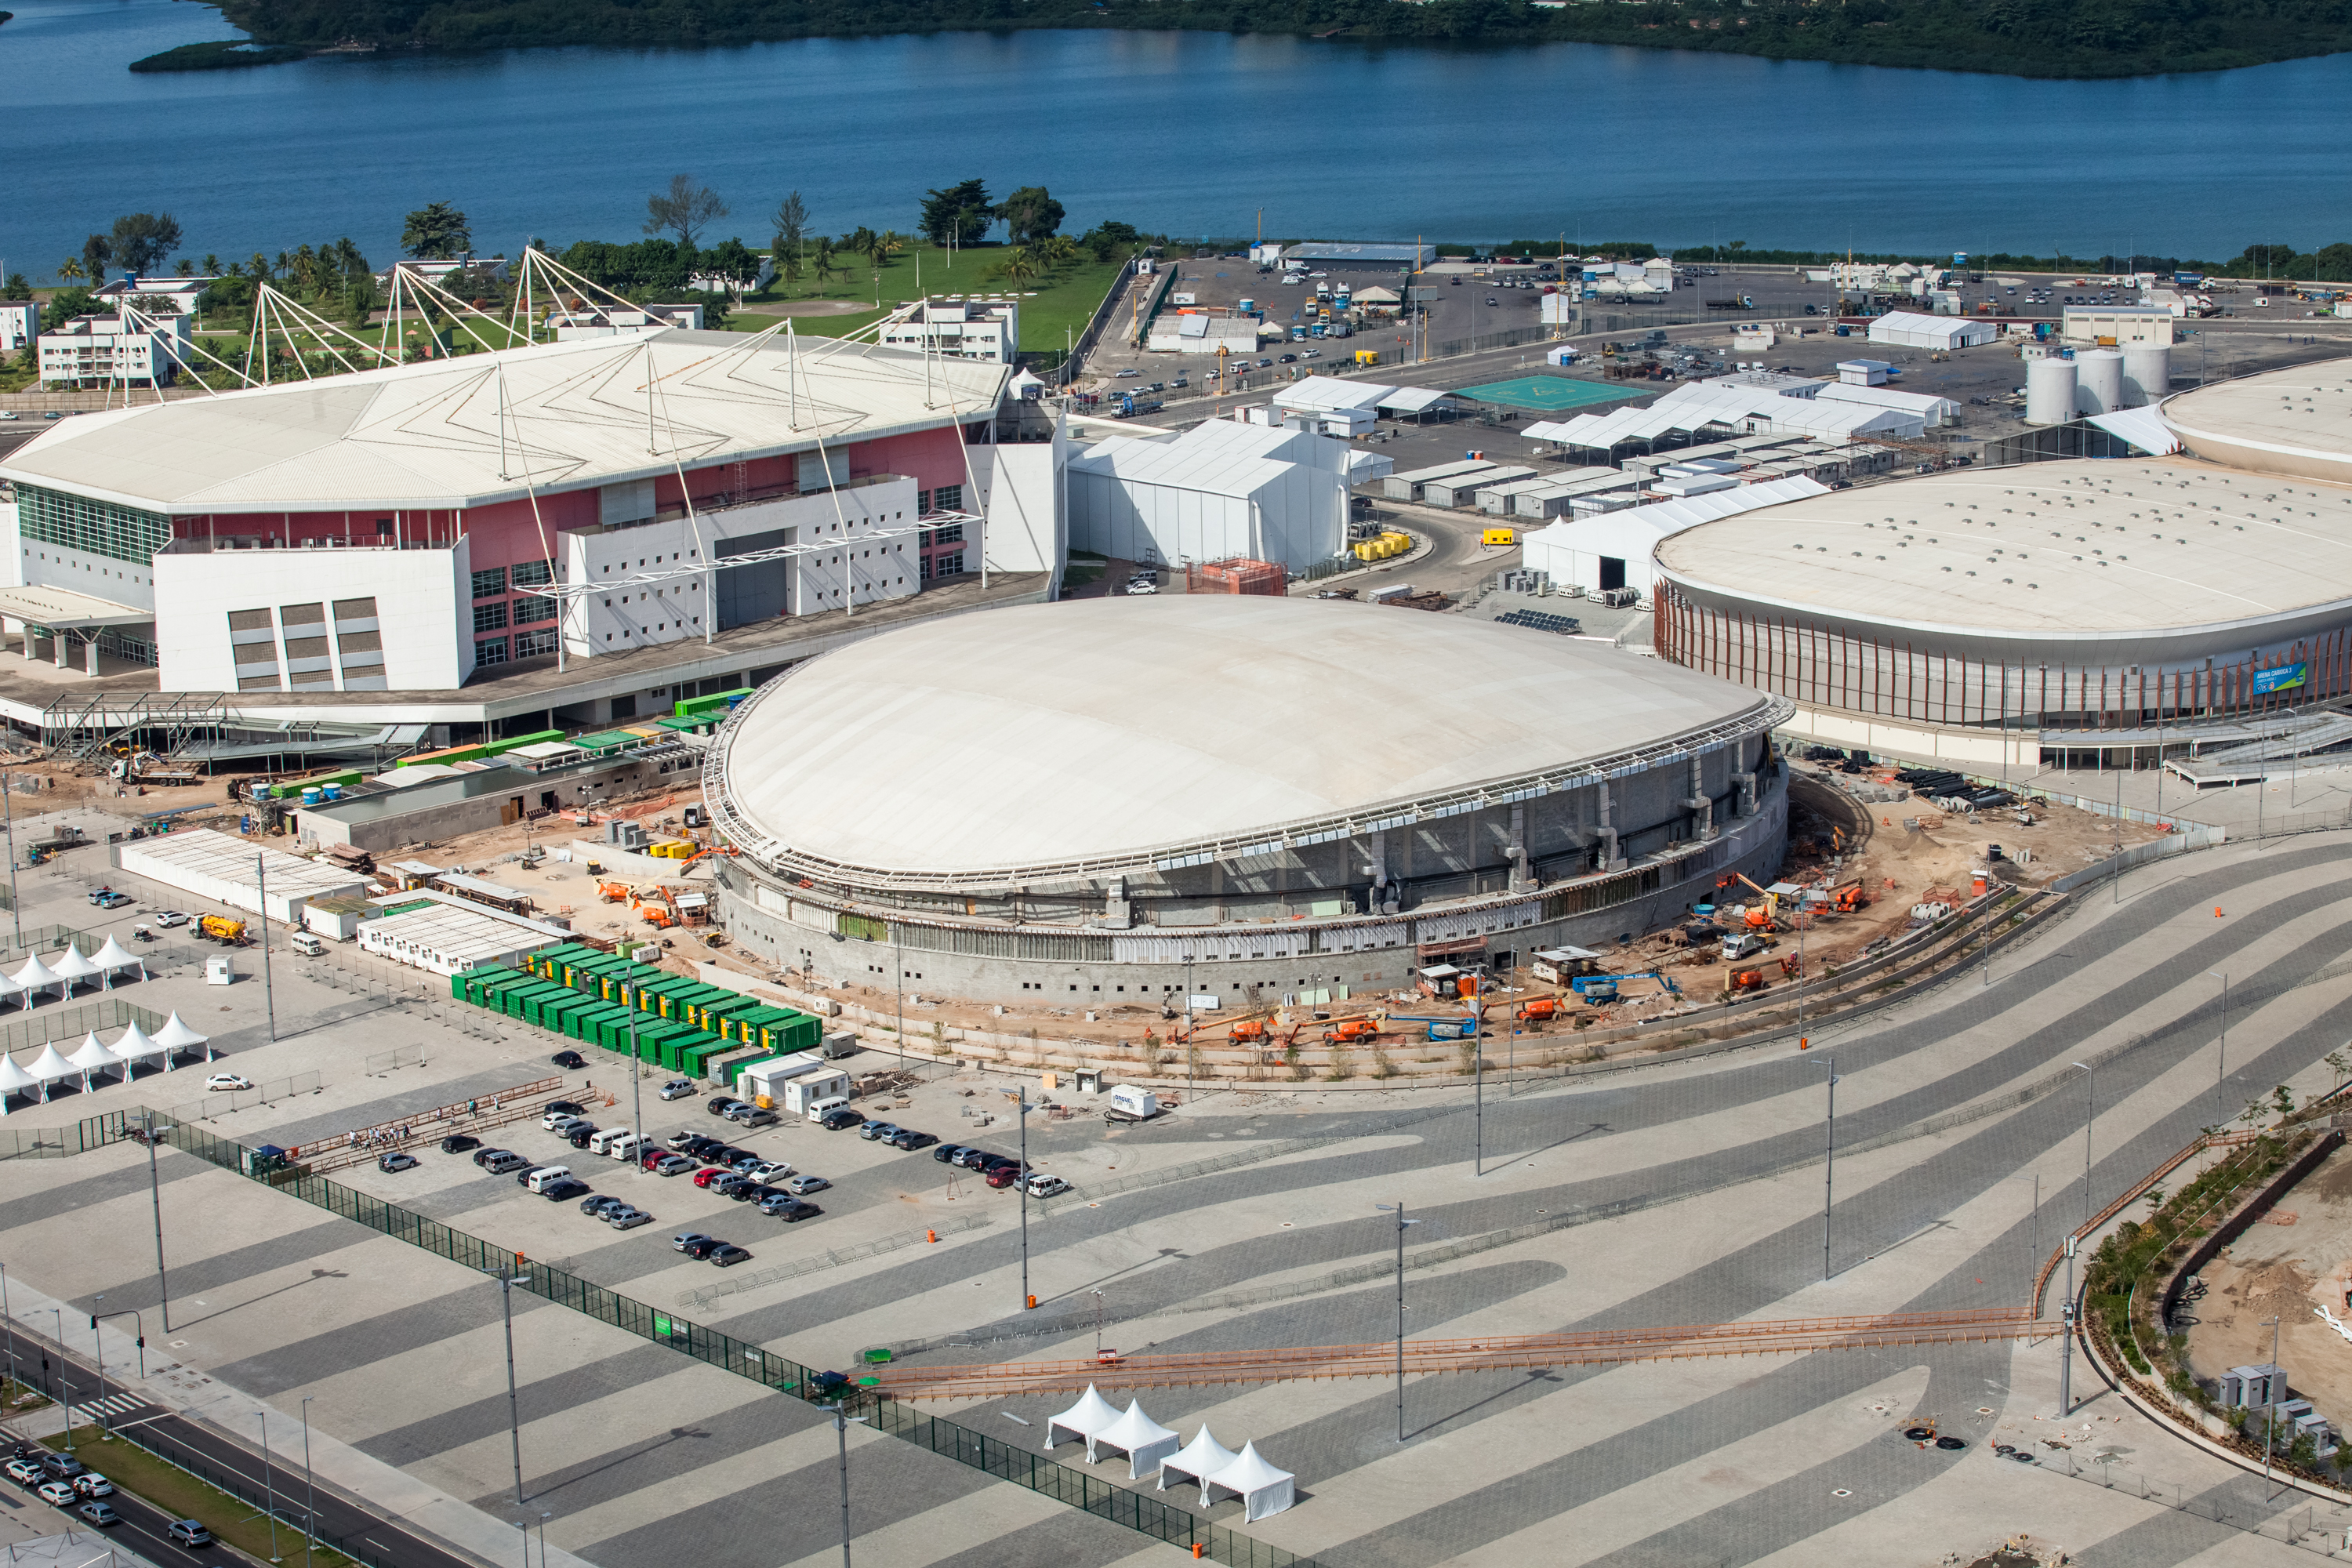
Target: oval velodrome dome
2296, 421
1139, 728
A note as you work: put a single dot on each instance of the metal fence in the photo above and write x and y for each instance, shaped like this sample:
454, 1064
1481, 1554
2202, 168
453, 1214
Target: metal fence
57, 1143
2197, 838
1137, 1511
221, 1102
72, 1023
813, 1263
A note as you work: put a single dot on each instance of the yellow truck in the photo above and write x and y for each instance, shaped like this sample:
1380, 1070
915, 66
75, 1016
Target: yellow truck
220, 930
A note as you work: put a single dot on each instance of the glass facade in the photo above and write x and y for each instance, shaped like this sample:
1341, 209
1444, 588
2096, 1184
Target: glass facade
489, 651
533, 645
490, 618
93, 527
489, 581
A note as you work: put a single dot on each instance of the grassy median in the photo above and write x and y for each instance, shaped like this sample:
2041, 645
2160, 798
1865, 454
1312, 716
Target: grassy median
183, 1496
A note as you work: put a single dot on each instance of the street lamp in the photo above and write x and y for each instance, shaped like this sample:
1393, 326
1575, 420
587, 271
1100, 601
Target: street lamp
2090, 1112
2221, 1064
65, 1389
8, 1327
155, 1199
310, 1487
514, 1407
2066, 1339
270, 1489
841, 1424
1028, 1302
1397, 1210
1478, 1074
636, 1097
1828, 1166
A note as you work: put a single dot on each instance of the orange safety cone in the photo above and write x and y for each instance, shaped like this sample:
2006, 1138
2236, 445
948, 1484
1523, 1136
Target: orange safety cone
2217, 911
1803, 1044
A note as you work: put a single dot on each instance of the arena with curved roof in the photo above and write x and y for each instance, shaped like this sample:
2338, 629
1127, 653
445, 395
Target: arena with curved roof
1281, 793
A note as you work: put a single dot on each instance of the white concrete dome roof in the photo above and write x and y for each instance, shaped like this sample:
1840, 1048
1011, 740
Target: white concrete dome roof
1128, 731
2050, 551
2296, 421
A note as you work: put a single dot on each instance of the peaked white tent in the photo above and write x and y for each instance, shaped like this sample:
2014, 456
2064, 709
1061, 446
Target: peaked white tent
94, 1058
1202, 1457
114, 958
9, 988
14, 1079
137, 1045
1091, 1415
1265, 1491
1144, 1441
35, 976
72, 966
49, 1067
175, 1036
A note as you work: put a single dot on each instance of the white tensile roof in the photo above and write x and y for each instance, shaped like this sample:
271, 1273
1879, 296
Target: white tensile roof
92, 1056
14, 1080
137, 1044
470, 430
1321, 392
175, 1035
51, 1065
1090, 1414
35, 975
1129, 729
1202, 1457
71, 964
1264, 1490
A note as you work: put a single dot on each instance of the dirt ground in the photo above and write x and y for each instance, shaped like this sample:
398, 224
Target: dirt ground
2299, 1258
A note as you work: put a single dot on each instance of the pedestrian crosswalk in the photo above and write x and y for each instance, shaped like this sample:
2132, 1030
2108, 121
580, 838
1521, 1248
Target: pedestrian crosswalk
114, 1406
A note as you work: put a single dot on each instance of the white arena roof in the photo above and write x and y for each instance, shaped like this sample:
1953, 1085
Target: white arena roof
1135, 732
488, 427
2057, 548
2294, 421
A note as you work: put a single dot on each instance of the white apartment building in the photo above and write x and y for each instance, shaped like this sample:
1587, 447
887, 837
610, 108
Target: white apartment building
92, 351
986, 328
20, 324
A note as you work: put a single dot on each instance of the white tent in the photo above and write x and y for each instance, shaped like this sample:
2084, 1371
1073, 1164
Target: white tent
9, 988
1202, 1457
137, 1045
1265, 1491
1144, 1441
113, 958
49, 1067
93, 1058
1092, 1414
71, 965
14, 1079
175, 1036
35, 976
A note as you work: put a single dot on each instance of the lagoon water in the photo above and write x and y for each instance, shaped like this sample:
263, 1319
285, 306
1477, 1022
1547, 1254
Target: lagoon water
1192, 132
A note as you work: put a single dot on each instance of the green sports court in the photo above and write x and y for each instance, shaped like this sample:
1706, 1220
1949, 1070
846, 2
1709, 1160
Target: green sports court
1549, 394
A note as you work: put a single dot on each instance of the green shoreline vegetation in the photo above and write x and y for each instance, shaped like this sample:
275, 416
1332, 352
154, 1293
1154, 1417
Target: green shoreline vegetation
2062, 38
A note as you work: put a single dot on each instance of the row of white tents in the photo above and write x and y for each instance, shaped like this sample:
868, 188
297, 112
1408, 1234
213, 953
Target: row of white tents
68, 969
1151, 1449
95, 1057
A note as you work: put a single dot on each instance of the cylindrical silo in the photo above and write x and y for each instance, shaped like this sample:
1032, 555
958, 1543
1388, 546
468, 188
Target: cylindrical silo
2147, 374
2098, 381
2049, 391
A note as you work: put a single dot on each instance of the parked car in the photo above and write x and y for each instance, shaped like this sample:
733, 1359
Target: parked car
628, 1216
458, 1142
599, 1205
790, 1209
804, 1184
671, 1165
562, 1187
725, 1255
396, 1161
687, 1240
703, 1247
874, 1130
228, 1080
721, 1105
710, 1174
946, 1152
170, 919
189, 1532
683, 1142
108, 898
1004, 1175
61, 1467
1044, 1185
100, 1514
768, 1169
739, 1160
570, 1060
974, 1159
730, 1184
558, 1115
756, 1193
908, 1138
679, 1089
581, 1136
25, 1472
568, 1106
89, 1483
56, 1494
501, 1160
841, 1118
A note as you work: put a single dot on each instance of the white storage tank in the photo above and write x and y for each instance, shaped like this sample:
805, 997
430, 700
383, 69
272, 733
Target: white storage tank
2098, 381
2049, 391
2147, 374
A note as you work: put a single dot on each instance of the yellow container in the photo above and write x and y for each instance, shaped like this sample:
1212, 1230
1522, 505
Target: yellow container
1498, 536
1364, 552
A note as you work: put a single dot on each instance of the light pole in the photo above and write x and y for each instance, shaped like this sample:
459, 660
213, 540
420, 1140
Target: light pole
1829, 1167
131, 1313
841, 1422
1478, 1076
155, 1199
2033, 1234
65, 1389
514, 1405
261, 897
98, 1341
1028, 1302
637, 1104
270, 1489
2270, 1413
8, 1326
2090, 1113
2221, 1064
1397, 1210
542, 1539
8, 821
310, 1487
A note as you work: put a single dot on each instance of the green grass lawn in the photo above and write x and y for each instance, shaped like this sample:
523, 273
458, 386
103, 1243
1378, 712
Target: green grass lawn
182, 1495
1054, 306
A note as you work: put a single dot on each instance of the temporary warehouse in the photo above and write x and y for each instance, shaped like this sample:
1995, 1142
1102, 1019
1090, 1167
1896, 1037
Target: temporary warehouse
1220, 489
1909, 329
231, 872
1614, 548
1091, 1415
1265, 1491
1202, 1457
1144, 1441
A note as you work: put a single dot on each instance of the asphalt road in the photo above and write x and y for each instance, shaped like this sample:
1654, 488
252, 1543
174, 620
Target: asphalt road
200, 1447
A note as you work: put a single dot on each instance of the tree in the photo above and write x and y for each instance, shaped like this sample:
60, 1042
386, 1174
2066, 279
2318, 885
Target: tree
68, 303
1018, 266
823, 259
1112, 241
436, 232
734, 261
878, 248
18, 286
69, 271
789, 266
1030, 214
142, 242
684, 209
961, 214
790, 224
96, 252
184, 268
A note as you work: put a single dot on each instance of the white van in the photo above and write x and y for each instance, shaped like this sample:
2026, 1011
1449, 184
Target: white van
626, 1147
602, 1143
539, 1181
306, 944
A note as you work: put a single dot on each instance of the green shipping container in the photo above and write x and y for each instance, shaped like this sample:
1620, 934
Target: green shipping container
550, 964
712, 1017
557, 1015
587, 1025
663, 997
520, 1001
466, 985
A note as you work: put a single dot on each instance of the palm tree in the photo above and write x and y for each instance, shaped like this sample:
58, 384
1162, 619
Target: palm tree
880, 248
69, 271
823, 258
1018, 266
1059, 250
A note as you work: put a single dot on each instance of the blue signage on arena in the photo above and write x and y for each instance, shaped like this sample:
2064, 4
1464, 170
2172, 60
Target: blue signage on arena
2285, 678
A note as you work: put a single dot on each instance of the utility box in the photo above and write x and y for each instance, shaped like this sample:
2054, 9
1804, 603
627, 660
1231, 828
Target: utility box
219, 971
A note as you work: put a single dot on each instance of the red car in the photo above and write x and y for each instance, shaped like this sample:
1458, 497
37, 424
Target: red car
710, 1174
1003, 1175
